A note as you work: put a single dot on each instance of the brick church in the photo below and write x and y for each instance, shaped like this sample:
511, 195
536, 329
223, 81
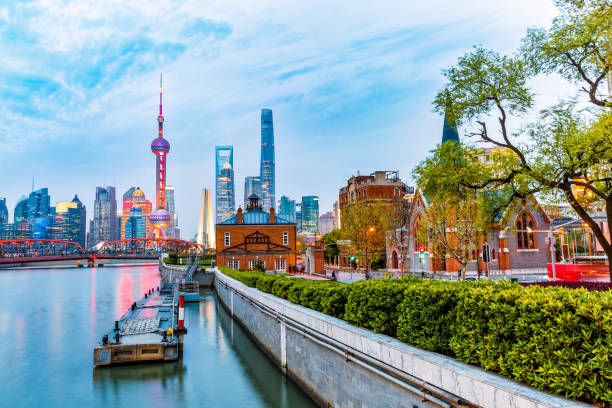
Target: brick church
253, 235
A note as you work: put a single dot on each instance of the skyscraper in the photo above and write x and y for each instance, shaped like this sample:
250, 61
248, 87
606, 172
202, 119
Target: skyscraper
3, 211
252, 185
224, 165
287, 208
73, 220
160, 147
310, 214
135, 225
206, 225
104, 221
21, 210
172, 231
266, 171
39, 204
134, 197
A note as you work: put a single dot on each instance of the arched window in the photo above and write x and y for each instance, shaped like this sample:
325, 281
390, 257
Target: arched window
395, 261
524, 231
493, 254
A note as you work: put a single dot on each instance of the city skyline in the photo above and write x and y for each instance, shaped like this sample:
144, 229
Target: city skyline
383, 75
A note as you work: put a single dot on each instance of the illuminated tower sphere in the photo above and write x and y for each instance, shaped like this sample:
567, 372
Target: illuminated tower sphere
160, 147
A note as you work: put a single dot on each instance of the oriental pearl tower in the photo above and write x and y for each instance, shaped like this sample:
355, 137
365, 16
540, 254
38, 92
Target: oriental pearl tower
160, 147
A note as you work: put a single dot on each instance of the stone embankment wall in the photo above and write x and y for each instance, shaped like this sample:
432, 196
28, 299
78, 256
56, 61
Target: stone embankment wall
341, 365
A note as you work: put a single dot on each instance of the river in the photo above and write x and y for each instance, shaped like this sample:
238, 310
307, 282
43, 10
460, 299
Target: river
50, 319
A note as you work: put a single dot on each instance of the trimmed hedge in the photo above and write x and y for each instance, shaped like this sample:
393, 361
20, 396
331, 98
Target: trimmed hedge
572, 285
552, 338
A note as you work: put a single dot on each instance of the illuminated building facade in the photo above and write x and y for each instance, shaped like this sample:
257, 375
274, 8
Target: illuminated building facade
310, 214
73, 221
160, 147
267, 165
136, 224
252, 185
224, 172
135, 198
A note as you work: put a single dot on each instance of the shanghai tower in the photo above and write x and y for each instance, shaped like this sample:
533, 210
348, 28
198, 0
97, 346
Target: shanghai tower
266, 172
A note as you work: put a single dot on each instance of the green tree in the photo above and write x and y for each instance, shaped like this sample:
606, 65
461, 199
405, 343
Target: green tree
366, 225
331, 246
567, 150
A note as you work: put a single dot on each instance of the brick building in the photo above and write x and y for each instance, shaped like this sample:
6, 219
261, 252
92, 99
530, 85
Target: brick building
253, 235
379, 187
516, 238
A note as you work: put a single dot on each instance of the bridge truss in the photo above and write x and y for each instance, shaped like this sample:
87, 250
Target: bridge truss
34, 248
148, 246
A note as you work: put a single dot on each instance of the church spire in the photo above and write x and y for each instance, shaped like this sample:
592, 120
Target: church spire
449, 132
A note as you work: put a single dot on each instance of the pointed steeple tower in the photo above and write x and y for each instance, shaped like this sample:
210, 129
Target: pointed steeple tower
449, 132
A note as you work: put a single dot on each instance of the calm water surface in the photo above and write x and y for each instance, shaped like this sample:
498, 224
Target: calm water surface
50, 320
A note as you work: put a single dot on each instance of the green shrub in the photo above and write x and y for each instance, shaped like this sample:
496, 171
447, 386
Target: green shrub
552, 338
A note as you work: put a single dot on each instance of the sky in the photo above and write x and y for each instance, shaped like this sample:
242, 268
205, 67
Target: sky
350, 83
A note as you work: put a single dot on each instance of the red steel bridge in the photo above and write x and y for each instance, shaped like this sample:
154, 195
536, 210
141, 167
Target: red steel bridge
17, 251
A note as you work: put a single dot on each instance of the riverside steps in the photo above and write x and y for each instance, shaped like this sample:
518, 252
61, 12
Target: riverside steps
151, 330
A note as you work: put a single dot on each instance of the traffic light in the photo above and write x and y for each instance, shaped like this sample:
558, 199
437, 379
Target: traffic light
422, 257
352, 258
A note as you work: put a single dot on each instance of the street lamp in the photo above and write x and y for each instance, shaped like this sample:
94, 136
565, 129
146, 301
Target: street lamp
552, 247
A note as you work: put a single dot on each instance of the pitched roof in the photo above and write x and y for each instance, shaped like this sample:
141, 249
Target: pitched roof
256, 217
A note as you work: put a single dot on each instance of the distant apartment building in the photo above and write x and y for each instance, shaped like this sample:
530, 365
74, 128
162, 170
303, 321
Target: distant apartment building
224, 173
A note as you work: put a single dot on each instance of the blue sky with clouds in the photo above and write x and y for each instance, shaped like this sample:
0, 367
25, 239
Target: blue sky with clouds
350, 84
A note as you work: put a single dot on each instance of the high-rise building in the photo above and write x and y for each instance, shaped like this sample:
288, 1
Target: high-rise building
3, 211
39, 204
21, 210
252, 185
49, 227
134, 197
73, 220
310, 214
160, 147
298, 217
327, 222
104, 219
287, 208
267, 171
206, 224
135, 224
89, 233
224, 172
17, 230
172, 230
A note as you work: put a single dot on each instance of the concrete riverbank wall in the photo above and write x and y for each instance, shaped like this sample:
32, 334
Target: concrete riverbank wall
341, 365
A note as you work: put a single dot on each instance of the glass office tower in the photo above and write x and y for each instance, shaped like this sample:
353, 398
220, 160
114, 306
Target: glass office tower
3, 211
252, 185
310, 214
104, 218
136, 224
39, 204
287, 208
224, 172
74, 220
267, 172
21, 210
